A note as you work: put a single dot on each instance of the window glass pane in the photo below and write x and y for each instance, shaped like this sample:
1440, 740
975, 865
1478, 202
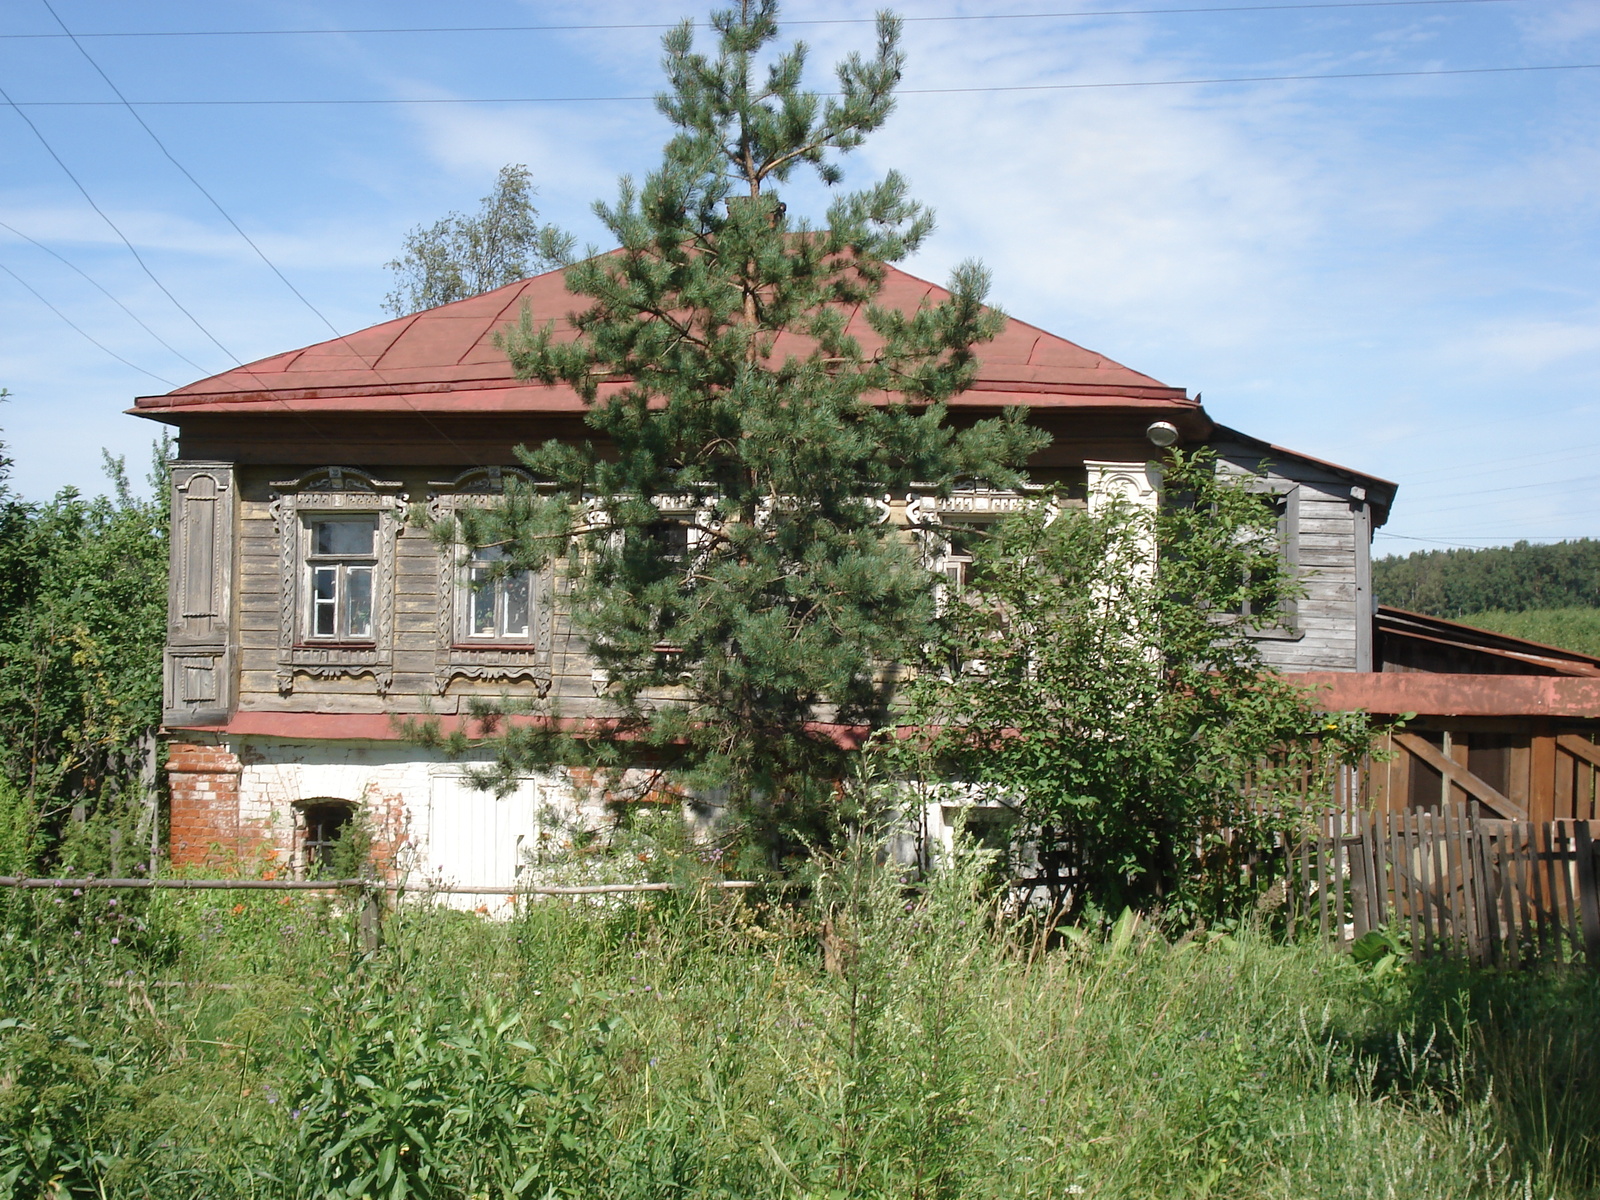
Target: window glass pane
480, 617
324, 591
516, 593
489, 554
345, 537
358, 602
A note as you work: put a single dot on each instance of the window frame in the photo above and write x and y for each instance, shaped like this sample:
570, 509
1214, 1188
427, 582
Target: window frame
1285, 496
342, 564
297, 506
313, 853
472, 561
459, 656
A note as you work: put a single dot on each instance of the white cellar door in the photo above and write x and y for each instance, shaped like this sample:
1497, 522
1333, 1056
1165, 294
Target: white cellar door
475, 837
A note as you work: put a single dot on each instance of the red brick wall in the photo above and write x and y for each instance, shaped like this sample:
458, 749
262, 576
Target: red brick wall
204, 786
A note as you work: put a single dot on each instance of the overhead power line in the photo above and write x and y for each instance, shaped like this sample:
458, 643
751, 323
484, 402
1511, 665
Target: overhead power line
112, 225
187, 174
80, 329
93, 282
1498, 540
228, 217
651, 25
943, 91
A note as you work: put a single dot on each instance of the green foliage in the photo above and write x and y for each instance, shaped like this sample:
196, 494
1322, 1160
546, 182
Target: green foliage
1121, 706
731, 575
700, 1046
446, 1096
19, 831
1569, 628
462, 256
82, 623
1456, 583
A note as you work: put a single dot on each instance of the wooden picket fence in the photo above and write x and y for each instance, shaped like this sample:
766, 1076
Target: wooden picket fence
1452, 882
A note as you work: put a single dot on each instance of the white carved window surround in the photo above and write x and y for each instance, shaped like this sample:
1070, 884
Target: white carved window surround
338, 534
946, 526
493, 625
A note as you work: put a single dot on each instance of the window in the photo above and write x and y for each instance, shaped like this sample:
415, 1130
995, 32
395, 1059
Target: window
1284, 506
325, 824
340, 560
494, 622
498, 601
339, 533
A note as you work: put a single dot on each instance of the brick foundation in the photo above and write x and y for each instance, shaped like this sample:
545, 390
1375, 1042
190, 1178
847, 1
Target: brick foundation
204, 785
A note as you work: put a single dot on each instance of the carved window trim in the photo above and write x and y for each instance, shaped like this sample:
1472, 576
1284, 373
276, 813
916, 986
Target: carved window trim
335, 491
455, 656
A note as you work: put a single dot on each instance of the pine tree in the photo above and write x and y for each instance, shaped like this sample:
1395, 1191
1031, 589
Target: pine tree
736, 578
463, 256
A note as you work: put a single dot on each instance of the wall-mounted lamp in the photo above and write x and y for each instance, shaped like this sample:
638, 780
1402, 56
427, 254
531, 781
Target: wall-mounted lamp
1162, 433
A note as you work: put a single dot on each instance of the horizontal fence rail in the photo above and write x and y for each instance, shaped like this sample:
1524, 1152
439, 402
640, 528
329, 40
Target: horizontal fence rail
365, 885
1452, 882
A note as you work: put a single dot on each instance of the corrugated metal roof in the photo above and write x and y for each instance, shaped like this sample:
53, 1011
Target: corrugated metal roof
445, 360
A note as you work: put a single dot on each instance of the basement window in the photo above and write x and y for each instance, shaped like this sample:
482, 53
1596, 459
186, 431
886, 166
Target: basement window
325, 823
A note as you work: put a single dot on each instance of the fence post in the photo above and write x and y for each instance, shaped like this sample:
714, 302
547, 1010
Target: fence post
369, 922
1588, 901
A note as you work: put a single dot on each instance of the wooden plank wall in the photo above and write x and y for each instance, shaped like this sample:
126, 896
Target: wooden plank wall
1516, 769
1331, 550
416, 601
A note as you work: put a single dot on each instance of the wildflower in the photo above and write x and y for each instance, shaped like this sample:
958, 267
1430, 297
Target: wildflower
237, 909
77, 891
116, 941
112, 903
294, 1114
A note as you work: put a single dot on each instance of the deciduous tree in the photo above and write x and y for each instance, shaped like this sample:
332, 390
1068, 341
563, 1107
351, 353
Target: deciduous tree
1119, 705
462, 256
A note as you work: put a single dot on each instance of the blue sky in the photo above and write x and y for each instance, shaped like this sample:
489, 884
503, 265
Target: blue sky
1396, 273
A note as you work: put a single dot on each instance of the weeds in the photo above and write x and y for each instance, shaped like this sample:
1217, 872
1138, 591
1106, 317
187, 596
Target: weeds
699, 1045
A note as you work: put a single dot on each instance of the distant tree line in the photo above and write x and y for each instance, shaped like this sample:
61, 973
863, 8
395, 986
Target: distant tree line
1459, 583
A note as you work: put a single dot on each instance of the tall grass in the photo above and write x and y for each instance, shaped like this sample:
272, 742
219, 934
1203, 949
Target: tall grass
699, 1045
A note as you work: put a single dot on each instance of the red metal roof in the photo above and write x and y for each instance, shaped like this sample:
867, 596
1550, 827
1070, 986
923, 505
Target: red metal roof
444, 360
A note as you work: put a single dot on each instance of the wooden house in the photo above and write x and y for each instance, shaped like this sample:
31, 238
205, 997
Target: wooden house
309, 606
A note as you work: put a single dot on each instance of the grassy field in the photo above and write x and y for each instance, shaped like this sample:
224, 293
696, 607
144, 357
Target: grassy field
1570, 628
190, 1045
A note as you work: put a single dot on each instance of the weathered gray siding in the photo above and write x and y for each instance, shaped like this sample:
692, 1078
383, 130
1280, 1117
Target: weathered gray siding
1331, 627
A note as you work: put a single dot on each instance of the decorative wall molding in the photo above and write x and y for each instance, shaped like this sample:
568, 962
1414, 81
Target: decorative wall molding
519, 662
1137, 484
335, 490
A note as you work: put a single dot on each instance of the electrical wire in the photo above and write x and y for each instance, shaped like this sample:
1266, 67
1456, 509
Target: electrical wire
1046, 16
237, 228
1492, 541
93, 282
186, 173
945, 91
80, 329
112, 225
